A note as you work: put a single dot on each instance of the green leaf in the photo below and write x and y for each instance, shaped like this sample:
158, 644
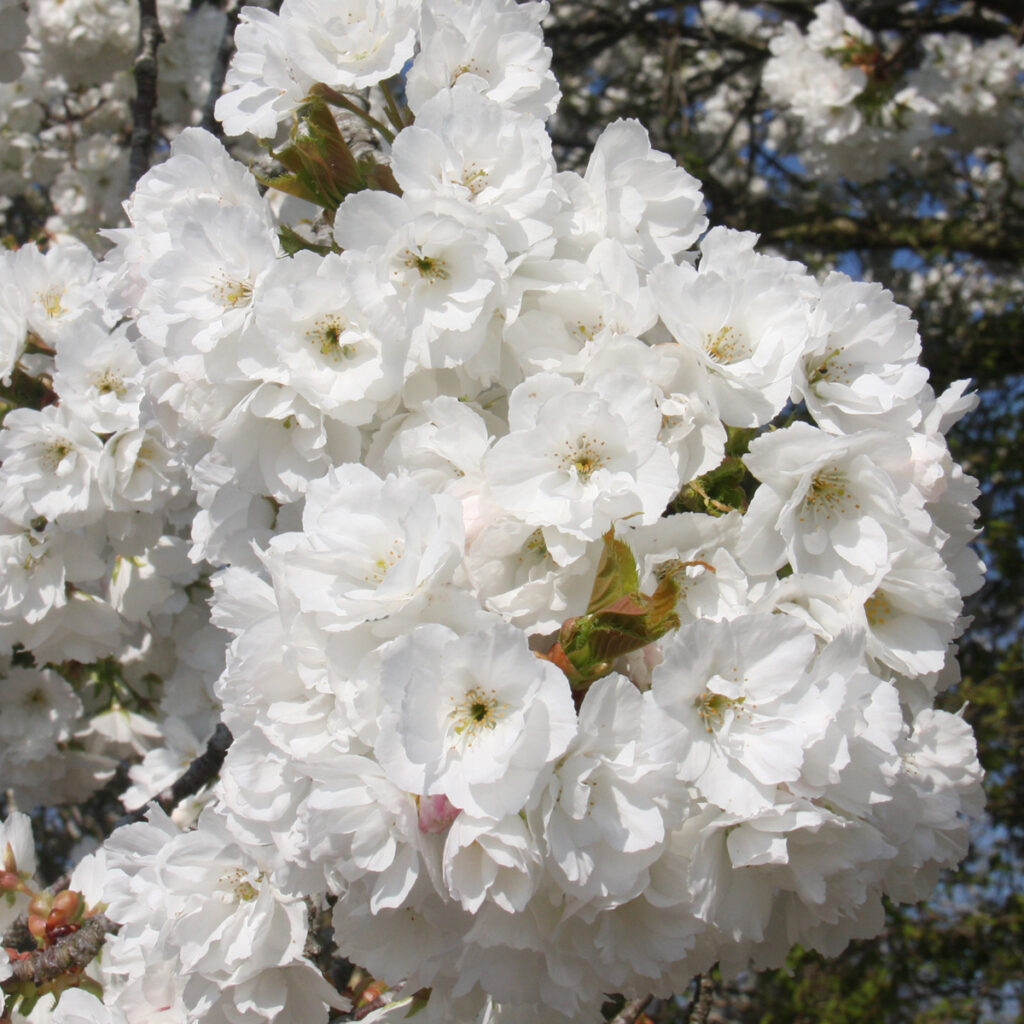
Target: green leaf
319, 163
616, 574
292, 242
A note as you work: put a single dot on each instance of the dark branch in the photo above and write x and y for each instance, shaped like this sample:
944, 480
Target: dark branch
700, 1005
144, 108
201, 771
633, 1008
225, 52
72, 952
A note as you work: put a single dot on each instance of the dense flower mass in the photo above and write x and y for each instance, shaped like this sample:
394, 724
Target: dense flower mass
582, 579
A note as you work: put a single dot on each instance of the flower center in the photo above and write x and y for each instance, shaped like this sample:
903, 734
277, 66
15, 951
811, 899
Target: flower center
727, 346
56, 452
108, 382
588, 330
474, 179
379, 568
240, 884
430, 268
470, 67
478, 710
828, 494
326, 336
713, 707
583, 456
232, 294
51, 302
827, 369
878, 609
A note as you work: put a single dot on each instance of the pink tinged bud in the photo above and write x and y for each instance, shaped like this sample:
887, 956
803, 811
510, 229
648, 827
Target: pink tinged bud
67, 907
436, 813
41, 904
9, 881
653, 656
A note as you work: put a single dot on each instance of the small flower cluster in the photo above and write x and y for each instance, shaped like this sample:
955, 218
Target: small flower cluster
65, 98
589, 575
860, 110
93, 505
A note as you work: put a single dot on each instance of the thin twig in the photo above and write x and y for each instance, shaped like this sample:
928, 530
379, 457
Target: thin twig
364, 1011
204, 768
700, 1005
633, 1008
144, 108
225, 51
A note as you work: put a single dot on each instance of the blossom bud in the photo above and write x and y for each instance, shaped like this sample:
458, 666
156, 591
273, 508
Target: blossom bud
68, 905
437, 813
41, 905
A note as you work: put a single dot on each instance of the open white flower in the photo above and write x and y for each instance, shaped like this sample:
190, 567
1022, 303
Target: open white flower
826, 504
477, 718
369, 549
739, 332
50, 465
745, 707
315, 332
469, 148
495, 46
579, 456
636, 195
439, 274
860, 368
608, 805
350, 44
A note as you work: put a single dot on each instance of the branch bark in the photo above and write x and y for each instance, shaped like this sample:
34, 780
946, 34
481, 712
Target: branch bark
633, 1008
144, 107
700, 1005
72, 952
225, 52
838, 234
201, 771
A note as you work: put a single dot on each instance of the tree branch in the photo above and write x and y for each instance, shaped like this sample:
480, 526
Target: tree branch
71, 952
204, 768
17, 935
700, 1005
225, 52
633, 1008
837, 234
144, 107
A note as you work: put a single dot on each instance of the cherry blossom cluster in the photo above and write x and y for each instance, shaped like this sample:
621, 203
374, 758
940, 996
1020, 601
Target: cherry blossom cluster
93, 541
860, 110
586, 577
65, 100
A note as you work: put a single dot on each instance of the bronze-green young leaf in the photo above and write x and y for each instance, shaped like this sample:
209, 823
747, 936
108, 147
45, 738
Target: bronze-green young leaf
616, 574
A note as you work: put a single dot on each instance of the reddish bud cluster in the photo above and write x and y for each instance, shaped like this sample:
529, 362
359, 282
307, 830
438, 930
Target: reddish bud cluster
50, 918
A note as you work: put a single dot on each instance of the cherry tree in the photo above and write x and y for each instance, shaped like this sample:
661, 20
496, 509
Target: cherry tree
493, 581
